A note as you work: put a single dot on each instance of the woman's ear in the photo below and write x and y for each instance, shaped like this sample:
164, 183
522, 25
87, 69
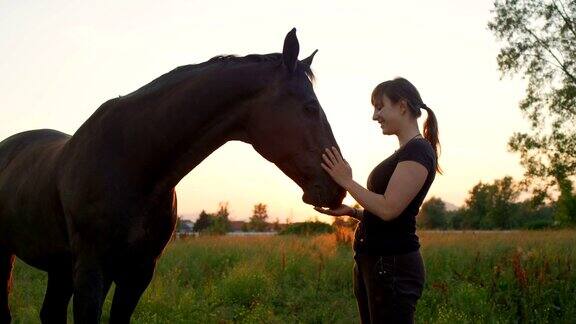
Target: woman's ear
403, 106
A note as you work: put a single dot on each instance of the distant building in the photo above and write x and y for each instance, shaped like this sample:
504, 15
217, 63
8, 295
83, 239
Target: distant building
185, 226
238, 226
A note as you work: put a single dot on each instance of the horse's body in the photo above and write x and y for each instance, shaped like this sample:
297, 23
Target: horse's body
100, 206
28, 164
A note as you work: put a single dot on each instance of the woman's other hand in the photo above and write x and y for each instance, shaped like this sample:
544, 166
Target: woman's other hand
343, 210
337, 167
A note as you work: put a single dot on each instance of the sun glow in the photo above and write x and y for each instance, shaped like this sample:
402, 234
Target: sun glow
63, 59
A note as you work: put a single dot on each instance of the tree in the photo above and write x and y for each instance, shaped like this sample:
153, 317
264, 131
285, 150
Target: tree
203, 222
455, 218
565, 213
178, 222
432, 214
504, 208
258, 219
540, 44
477, 206
221, 223
492, 205
535, 216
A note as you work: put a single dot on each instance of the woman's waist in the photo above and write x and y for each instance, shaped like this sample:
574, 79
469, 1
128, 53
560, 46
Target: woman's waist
389, 241
390, 230
399, 257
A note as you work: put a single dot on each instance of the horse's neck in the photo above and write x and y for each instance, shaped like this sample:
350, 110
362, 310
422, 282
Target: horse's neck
162, 136
205, 133
190, 145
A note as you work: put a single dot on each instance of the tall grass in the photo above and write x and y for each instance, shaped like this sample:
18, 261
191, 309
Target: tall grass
471, 277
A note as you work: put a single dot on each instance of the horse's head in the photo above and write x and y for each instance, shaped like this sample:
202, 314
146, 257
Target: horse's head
288, 127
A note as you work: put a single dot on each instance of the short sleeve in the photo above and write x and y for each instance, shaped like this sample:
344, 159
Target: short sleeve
420, 151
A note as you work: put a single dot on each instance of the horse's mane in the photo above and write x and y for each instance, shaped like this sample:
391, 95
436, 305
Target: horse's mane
182, 72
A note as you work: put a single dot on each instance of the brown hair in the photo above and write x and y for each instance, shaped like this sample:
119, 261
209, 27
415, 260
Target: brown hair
399, 89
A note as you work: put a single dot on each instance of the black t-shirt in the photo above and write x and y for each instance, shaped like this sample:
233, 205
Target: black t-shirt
376, 236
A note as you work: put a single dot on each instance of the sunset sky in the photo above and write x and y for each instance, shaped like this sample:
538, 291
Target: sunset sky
62, 59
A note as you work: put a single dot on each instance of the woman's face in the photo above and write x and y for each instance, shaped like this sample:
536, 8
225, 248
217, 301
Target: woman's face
390, 116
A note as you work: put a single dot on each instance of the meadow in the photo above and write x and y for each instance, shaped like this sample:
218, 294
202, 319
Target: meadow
472, 277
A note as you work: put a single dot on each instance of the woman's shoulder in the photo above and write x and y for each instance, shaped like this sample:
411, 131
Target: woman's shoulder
420, 143
419, 150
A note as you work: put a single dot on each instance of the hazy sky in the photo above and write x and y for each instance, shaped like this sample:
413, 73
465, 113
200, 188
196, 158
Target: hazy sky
61, 59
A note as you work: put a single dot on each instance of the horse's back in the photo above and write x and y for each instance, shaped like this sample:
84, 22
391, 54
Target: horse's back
33, 141
31, 220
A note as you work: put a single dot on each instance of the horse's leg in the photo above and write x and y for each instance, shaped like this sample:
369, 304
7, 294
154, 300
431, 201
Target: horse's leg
6, 263
58, 293
90, 288
129, 288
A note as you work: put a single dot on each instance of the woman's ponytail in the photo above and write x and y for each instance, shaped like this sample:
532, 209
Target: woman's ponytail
431, 133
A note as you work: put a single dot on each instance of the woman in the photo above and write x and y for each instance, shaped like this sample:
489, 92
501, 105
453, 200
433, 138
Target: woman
389, 272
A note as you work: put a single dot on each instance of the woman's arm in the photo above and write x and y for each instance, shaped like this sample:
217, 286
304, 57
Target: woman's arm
405, 183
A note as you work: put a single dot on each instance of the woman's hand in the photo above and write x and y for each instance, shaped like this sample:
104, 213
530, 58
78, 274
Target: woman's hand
343, 210
337, 167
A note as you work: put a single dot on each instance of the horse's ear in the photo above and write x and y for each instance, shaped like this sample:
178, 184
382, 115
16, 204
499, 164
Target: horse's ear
308, 60
290, 51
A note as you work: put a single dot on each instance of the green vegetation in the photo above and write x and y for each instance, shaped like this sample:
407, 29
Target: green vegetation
307, 228
472, 277
539, 44
492, 206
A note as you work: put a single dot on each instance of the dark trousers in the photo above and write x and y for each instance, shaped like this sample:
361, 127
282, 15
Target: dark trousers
387, 288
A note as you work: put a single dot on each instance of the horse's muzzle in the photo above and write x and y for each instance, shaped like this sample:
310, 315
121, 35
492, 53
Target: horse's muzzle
324, 196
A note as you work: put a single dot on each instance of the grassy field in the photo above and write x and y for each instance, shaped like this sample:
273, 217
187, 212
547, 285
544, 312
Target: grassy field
488, 277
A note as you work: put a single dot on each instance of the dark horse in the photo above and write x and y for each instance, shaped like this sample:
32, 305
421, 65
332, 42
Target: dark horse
100, 206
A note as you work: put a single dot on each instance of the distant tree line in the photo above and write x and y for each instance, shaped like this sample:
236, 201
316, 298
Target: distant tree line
496, 205
489, 206
219, 222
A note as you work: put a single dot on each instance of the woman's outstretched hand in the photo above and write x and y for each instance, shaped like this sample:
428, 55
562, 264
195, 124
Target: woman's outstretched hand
343, 210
